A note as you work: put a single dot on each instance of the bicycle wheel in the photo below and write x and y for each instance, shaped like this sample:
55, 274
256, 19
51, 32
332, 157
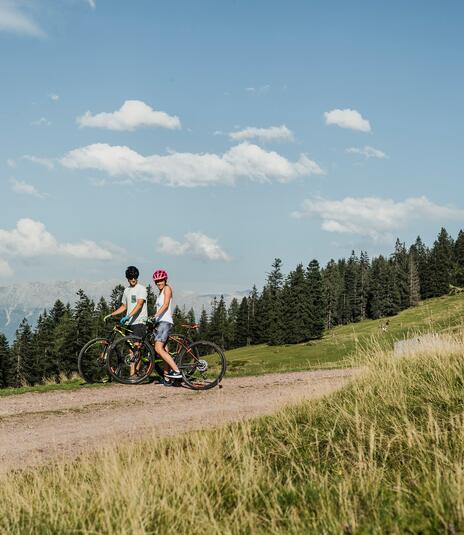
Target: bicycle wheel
130, 360
91, 361
202, 365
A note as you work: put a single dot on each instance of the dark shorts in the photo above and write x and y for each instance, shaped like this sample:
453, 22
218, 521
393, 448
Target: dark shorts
163, 330
139, 329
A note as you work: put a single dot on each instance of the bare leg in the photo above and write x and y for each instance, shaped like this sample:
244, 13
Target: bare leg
160, 349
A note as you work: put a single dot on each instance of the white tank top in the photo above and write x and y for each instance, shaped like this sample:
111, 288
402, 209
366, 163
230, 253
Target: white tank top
167, 314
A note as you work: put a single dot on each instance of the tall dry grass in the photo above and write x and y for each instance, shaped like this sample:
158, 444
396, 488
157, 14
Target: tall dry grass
384, 455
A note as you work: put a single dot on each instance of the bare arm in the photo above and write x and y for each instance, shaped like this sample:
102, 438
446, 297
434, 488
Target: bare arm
120, 310
137, 307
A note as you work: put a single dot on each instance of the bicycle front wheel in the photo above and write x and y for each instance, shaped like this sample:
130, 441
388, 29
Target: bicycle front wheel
91, 361
130, 360
203, 365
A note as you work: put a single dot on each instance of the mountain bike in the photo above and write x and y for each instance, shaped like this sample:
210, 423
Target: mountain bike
131, 359
91, 361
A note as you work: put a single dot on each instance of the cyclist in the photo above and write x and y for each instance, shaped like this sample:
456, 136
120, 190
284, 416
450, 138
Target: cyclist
163, 318
134, 304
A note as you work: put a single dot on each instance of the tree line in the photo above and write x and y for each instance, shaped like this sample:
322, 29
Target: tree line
289, 309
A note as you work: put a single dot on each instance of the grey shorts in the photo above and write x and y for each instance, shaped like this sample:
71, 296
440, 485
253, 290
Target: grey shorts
138, 329
162, 331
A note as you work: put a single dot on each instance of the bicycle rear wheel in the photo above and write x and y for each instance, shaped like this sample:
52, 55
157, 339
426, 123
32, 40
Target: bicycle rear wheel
130, 360
91, 361
203, 365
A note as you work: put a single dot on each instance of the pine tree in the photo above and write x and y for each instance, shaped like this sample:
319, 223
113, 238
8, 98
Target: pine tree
401, 272
5, 361
24, 365
296, 307
116, 297
364, 268
218, 322
203, 326
422, 255
151, 301
43, 347
242, 333
332, 291
441, 264
316, 300
253, 316
231, 324
274, 327
179, 319
458, 278
413, 279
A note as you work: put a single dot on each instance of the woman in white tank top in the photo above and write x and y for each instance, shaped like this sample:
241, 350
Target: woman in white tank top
163, 316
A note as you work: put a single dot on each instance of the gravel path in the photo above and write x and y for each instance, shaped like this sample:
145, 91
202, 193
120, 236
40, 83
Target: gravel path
37, 427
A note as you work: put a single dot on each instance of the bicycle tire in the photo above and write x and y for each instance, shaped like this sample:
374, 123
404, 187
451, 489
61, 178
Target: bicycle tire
91, 362
129, 364
203, 365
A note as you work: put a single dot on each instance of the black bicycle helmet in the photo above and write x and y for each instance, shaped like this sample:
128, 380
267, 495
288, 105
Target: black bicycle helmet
132, 272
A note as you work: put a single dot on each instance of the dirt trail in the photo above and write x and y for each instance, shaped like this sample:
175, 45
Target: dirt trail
37, 427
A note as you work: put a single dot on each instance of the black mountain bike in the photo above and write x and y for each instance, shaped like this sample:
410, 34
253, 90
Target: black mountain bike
91, 361
131, 359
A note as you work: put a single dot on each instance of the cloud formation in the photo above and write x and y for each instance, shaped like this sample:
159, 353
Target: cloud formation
92, 3
13, 20
375, 217
367, 152
272, 133
19, 186
189, 169
46, 162
131, 115
5, 269
347, 118
54, 97
195, 244
30, 239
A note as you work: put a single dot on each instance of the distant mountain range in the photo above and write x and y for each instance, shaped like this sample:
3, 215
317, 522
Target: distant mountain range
29, 299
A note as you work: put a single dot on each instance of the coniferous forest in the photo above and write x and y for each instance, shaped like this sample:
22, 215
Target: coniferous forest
291, 308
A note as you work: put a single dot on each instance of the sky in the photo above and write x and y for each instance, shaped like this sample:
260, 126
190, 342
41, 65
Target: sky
207, 138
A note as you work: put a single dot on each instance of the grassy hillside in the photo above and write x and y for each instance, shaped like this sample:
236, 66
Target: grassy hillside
443, 314
384, 455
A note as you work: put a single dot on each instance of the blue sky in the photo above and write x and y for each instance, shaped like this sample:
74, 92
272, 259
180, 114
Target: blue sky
208, 138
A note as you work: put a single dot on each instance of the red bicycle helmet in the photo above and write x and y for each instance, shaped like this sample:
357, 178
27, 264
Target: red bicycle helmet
160, 275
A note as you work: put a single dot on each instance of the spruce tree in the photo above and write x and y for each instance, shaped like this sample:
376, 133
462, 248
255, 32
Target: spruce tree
151, 301
253, 316
332, 288
296, 307
5, 361
116, 297
413, 279
43, 346
242, 333
203, 325
24, 364
218, 322
458, 278
274, 327
231, 324
441, 264
316, 300
401, 272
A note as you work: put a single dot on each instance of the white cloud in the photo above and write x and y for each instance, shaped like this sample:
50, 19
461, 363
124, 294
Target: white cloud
46, 162
375, 217
13, 20
264, 134
367, 152
132, 114
19, 186
92, 3
258, 90
5, 269
190, 170
54, 97
195, 244
41, 122
347, 119
30, 239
